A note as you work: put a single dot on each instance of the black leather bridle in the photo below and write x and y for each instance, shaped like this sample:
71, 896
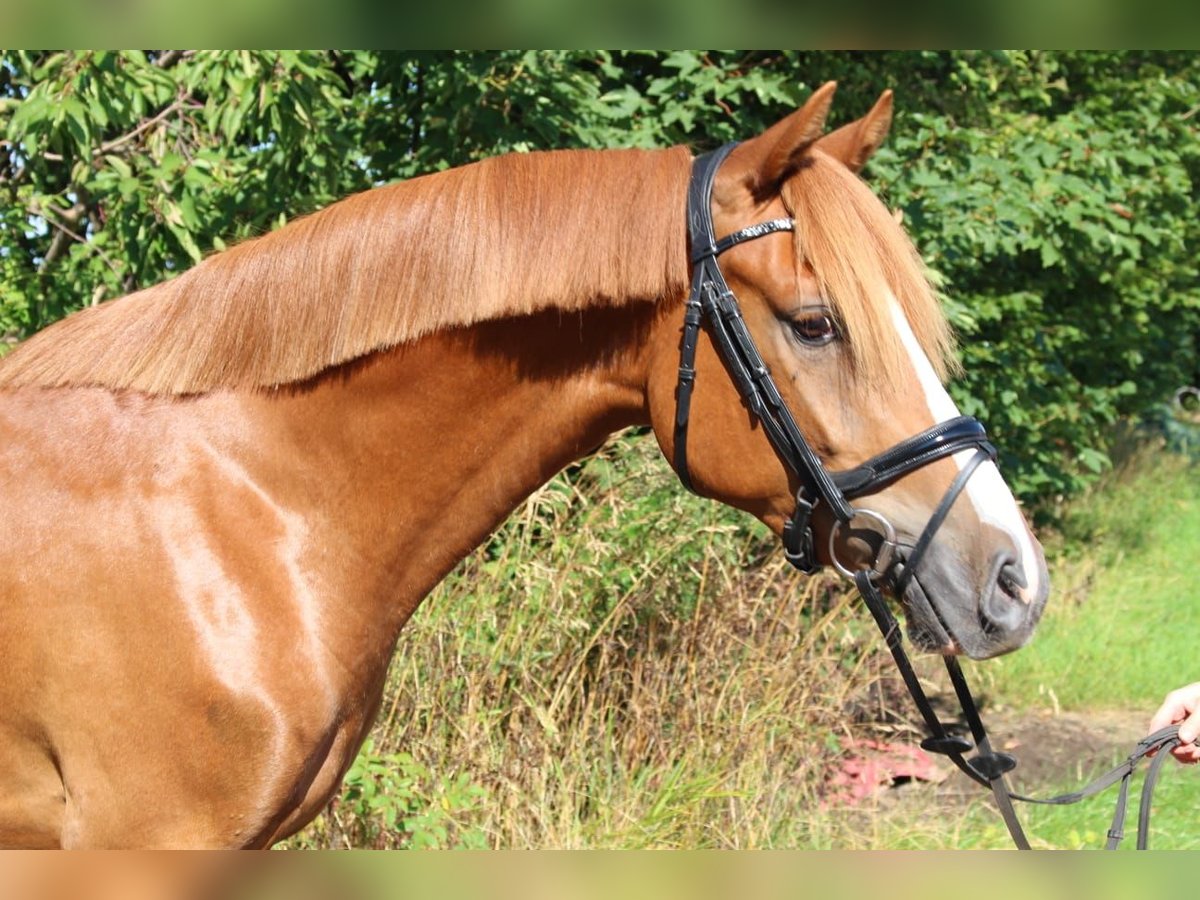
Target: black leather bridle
711, 301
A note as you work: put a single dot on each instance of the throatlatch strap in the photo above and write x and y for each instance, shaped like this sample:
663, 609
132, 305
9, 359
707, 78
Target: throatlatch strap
703, 246
687, 381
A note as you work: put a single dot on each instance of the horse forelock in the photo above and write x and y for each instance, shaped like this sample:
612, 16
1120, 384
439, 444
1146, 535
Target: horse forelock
863, 259
505, 237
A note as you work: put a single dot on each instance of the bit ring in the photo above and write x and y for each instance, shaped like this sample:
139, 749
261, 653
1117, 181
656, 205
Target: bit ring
887, 551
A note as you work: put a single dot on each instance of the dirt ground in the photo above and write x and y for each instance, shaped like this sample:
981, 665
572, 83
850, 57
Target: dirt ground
1055, 751
1064, 751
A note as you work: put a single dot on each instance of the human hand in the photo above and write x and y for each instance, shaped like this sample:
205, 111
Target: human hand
1182, 706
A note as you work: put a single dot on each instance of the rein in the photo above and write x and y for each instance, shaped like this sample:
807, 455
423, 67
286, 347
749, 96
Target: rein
988, 767
712, 302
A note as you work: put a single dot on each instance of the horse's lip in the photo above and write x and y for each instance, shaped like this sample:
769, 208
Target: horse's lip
931, 633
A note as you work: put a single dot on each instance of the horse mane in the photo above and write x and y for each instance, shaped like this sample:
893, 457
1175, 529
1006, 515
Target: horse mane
863, 259
507, 236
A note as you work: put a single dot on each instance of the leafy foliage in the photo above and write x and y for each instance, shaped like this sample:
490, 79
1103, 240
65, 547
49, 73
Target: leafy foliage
1070, 257
1049, 192
389, 800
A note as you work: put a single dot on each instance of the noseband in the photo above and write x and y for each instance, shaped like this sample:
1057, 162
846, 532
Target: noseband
712, 302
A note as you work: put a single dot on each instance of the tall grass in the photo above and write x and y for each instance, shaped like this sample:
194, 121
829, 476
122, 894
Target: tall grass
621, 665
624, 665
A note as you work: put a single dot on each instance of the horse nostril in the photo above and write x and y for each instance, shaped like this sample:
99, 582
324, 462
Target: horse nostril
1002, 608
1011, 580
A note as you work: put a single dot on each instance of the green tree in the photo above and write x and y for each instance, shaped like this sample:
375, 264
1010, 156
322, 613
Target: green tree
1051, 193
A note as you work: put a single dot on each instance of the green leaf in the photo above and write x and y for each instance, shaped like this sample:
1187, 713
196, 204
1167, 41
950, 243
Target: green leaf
119, 166
186, 241
683, 60
1093, 460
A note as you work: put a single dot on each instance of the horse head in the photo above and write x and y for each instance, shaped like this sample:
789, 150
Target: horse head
835, 299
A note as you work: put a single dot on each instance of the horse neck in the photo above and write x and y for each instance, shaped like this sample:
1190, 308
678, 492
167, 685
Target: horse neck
416, 454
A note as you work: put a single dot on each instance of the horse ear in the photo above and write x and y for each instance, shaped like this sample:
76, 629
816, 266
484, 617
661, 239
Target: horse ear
857, 142
775, 155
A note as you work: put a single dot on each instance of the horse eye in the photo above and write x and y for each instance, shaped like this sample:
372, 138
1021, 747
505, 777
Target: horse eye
815, 328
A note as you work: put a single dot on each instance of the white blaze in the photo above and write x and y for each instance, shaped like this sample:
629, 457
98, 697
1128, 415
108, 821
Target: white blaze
993, 501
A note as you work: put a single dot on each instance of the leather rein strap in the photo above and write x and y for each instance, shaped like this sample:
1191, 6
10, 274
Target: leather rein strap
711, 302
988, 767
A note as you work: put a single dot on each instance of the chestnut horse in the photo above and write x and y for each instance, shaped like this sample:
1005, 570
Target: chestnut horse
227, 493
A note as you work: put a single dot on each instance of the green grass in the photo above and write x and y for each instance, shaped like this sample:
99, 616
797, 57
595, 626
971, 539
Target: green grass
1080, 826
1084, 826
1123, 624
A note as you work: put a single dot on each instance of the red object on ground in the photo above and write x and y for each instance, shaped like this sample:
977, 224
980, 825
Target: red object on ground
871, 766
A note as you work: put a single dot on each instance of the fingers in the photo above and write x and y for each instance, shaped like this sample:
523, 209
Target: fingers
1176, 706
1182, 706
1187, 753
1169, 713
1189, 729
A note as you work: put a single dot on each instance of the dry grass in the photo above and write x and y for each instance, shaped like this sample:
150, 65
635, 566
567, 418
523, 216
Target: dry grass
621, 666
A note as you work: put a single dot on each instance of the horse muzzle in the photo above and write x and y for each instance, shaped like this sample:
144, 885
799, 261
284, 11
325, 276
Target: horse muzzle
951, 610
952, 606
